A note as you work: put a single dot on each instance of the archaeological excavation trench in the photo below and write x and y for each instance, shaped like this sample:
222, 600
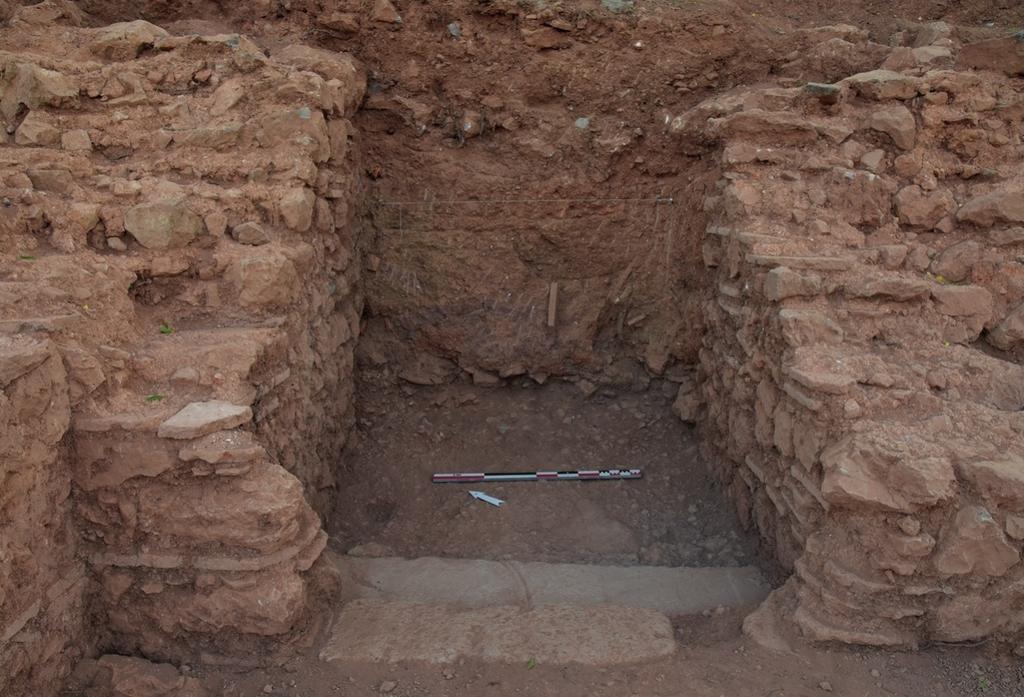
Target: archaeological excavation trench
267, 270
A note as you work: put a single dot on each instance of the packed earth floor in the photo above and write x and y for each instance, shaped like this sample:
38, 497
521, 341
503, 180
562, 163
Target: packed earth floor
387, 499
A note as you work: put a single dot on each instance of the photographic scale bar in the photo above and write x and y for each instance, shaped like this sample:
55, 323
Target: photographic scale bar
564, 475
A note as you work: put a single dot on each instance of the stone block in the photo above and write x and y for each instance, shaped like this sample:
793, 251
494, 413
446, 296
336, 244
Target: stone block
1000, 206
954, 263
884, 85
28, 85
806, 327
223, 447
889, 286
865, 472
963, 301
896, 122
36, 129
782, 282
923, 208
975, 544
104, 461
200, 418
125, 40
262, 511
998, 480
163, 225
1009, 333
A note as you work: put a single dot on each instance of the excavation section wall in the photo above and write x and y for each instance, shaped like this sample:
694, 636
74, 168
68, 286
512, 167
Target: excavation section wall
525, 167
42, 582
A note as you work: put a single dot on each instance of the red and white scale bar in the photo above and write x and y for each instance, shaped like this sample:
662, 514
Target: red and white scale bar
469, 477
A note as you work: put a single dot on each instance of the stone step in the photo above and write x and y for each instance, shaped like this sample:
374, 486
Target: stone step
196, 366
374, 630
473, 583
442, 610
180, 418
232, 351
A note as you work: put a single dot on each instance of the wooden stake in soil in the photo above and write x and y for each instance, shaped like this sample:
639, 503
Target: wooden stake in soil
552, 304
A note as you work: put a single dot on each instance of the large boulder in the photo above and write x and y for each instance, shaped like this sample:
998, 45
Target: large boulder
272, 606
969, 617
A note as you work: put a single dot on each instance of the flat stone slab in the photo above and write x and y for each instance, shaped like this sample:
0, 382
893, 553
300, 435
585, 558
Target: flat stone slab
19, 355
373, 630
201, 418
473, 583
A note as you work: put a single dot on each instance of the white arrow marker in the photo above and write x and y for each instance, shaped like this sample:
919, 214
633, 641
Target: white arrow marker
481, 496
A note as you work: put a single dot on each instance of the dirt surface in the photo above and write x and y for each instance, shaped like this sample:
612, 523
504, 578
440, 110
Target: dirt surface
674, 516
713, 661
883, 18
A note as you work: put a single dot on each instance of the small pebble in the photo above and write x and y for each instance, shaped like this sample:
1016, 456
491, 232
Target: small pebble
825, 685
388, 686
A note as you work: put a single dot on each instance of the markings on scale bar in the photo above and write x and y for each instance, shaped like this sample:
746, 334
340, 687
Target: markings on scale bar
543, 475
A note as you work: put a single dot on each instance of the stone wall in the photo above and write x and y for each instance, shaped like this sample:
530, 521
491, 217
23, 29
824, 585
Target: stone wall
179, 212
862, 368
42, 584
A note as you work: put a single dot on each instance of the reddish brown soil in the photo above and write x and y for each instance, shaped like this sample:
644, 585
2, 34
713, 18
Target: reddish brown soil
882, 17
